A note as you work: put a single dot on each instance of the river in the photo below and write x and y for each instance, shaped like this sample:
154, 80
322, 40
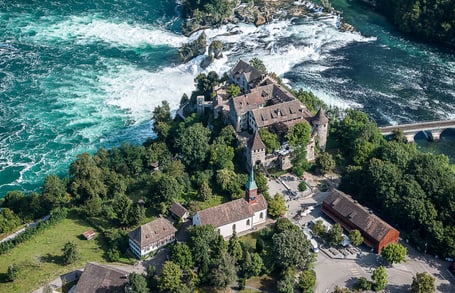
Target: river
76, 76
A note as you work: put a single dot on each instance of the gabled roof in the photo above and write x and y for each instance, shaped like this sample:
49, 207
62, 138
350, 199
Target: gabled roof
358, 215
245, 103
320, 117
231, 212
255, 143
178, 210
250, 72
281, 112
151, 232
101, 279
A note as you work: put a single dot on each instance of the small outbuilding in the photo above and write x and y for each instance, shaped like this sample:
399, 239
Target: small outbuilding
89, 234
179, 211
341, 208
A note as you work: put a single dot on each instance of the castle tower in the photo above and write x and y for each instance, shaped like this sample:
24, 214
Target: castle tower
321, 123
251, 189
255, 151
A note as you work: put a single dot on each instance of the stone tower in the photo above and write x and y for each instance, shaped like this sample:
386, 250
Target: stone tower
321, 124
255, 151
251, 189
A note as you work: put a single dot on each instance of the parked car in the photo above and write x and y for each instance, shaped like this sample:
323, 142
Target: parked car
452, 268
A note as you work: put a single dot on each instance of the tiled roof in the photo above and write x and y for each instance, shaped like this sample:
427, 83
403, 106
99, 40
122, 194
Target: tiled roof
256, 143
231, 212
101, 279
281, 112
151, 232
178, 210
357, 214
251, 73
245, 103
320, 117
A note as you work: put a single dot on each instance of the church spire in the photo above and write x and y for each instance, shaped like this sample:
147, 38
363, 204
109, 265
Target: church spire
251, 188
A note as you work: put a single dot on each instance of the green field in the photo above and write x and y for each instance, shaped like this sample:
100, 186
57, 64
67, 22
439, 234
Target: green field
40, 258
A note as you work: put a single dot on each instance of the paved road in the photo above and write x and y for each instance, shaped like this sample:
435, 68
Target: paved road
34, 224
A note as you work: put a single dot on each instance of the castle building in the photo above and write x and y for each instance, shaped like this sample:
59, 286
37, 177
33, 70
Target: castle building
239, 215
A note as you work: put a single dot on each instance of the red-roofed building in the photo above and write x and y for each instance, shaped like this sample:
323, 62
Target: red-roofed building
341, 208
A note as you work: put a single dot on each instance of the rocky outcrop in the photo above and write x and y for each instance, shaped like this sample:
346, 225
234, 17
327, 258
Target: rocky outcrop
195, 48
216, 50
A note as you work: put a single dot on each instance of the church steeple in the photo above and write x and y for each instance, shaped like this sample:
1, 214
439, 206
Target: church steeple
251, 189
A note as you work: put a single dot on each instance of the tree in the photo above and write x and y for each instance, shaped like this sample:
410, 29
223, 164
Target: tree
87, 179
277, 206
291, 248
299, 135
355, 237
233, 90
379, 278
54, 191
221, 156
70, 253
363, 284
193, 144
287, 282
335, 235
307, 281
162, 113
325, 163
235, 248
423, 283
223, 273
136, 284
270, 140
302, 186
122, 207
170, 277
181, 255
284, 224
12, 272
252, 264
394, 253
318, 228
258, 64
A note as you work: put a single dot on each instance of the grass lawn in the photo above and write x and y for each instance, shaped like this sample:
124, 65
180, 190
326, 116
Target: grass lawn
40, 258
263, 283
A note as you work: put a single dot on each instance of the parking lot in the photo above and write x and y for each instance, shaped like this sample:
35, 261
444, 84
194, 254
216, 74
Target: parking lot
343, 266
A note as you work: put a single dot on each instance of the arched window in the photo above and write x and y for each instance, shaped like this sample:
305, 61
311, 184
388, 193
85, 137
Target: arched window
248, 222
261, 215
233, 228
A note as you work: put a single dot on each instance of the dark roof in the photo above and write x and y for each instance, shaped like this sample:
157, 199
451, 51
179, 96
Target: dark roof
251, 73
231, 212
178, 210
151, 232
101, 279
355, 213
282, 112
256, 143
320, 117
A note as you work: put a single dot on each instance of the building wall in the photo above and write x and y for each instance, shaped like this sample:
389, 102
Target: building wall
259, 217
391, 237
152, 247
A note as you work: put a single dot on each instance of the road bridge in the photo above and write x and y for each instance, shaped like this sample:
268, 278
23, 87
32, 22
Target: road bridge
432, 129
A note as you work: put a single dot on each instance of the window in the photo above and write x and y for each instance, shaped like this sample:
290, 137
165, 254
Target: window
248, 222
233, 228
261, 215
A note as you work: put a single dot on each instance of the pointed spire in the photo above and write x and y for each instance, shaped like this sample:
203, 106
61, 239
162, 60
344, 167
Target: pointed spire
320, 117
251, 184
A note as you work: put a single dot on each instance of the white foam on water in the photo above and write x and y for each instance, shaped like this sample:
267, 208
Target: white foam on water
91, 28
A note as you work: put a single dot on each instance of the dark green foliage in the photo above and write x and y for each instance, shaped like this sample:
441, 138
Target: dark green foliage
258, 64
8, 220
181, 255
394, 253
87, 179
307, 281
431, 20
270, 140
312, 102
223, 271
423, 283
325, 163
277, 206
319, 229
287, 282
379, 278
70, 253
193, 49
363, 284
302, 186
205, 12
12, 272
335, 235
291, 249
252, 264
136, 284
54, 191
284, 224
299, 135
193, 144
235, 248
170, 277
355, 237
233, 90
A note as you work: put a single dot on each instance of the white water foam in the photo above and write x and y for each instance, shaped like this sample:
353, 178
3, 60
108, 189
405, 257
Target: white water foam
91, 28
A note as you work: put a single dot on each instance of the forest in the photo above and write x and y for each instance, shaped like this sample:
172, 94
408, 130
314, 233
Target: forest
429, 20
